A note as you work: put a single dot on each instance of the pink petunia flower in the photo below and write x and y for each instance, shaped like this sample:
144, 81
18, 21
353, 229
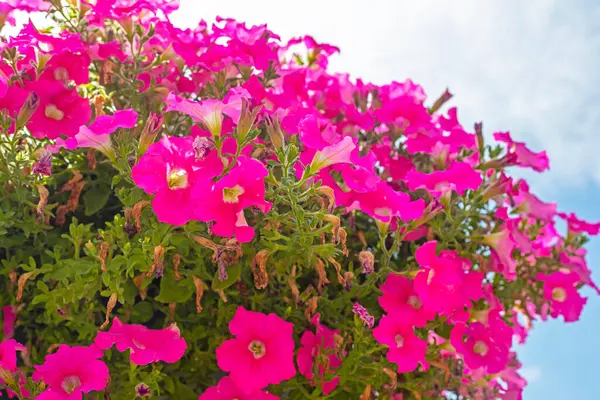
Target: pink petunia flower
315, 345
97, 134
560, 291
531, 206
519, 154
445, 283
61, 111
209, 112
577, 225
503, 244
399, 295
335, 154
225, 200
484, 345
9, 316
67, 66
169, 169
146, 345
405, 348
458, 177
384, 203
262, 352
72, 371
8, 354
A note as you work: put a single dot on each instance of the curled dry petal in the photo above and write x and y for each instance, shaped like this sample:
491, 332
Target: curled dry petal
176, 262
103, 254
112, 302
335, 228
137, 213
320, 268
157, 265
327, 192
199, 292
261, 278
21, 283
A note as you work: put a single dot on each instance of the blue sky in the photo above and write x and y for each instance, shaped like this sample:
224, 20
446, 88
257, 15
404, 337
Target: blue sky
529, 67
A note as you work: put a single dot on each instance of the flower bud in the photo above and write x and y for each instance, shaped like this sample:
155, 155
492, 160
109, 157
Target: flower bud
142, 390
367, 260
44, 164
247, 118
479, 136
440, 101
31, 104
151, 130
274, 131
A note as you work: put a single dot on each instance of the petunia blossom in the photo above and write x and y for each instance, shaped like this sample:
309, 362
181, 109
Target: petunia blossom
531, 206
503, 244
315, 346
577, 225
484, 345
405, 348
384, 203
224, 201
9, 316
146, 345
67, 66
8, 355
445, 283
335, 154
458, 177
561, 292
169, 169
209, 112
262, 352
72, 371
97, 135
398, 295
61, 111
521, 155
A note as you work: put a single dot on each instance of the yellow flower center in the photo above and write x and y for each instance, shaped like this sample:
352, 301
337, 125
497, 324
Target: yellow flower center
70, 383
177, 179
53, 112
232, 195
257, 348
559, 294
399, 341
480, 348
415, 302
61, 74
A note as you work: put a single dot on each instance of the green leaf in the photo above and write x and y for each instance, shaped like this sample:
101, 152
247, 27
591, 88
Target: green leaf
43, 287
95, 199
40, 298
142, 312
233, 274
182, 392
172, 291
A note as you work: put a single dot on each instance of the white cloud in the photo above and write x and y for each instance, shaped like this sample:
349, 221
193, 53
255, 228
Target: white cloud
529, 67
531, 374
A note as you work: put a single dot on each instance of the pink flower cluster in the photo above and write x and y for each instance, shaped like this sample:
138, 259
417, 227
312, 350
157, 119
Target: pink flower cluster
233, 100
72, 371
